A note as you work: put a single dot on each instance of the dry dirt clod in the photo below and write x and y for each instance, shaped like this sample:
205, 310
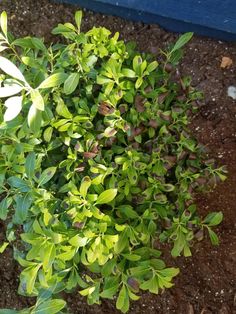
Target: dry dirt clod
226, 62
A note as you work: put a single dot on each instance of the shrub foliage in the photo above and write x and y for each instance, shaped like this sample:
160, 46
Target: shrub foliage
97, 165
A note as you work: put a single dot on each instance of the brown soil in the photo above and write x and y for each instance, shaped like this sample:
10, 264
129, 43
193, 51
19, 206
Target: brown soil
207, 283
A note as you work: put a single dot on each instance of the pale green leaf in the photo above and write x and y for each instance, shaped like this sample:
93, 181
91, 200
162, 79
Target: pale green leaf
34, 119
9, 68
106, 196
47, 134
128, 73
78, 18
8, 91
28, 276
4, 23
87, 291
2, 48
49, 254
85, 184
14, 105
121, 298
71, 83
37, 99
152, 66
78, 241
50, 307
61, 108
53, 80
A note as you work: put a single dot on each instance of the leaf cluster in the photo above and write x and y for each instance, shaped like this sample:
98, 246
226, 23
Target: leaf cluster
97, 165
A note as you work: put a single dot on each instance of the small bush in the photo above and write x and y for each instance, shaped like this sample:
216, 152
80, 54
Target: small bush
97, 165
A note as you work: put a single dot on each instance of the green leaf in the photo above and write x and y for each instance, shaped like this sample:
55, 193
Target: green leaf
38, 44
6, 311
23, 42
37, 99
31, 62
132, 175
66, 256
133, 296
61, 108
213, 237
151, 285
3, 20
108, 268
85, 184
101, 80
121, 298
47, 134
179, 244
122, 242
51, 306
71, 83
128, 73
53, 80
152, 66
34, 119
137, 61
3, 247
169, 272
14, 105
139, 82
132, 257
109, 293
28, 276
213, 219
18, 183
30, 165
168, 187
78, 18
23, 204
127, 211
87, 291
182, 41
106, 196
157, 263
47, 175
77, 241
4, 205
9, 68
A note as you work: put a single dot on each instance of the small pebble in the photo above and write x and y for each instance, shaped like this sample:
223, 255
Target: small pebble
232, 92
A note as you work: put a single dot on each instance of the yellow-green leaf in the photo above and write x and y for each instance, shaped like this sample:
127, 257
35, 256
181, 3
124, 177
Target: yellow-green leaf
71, 83
37, 99
4, 23
53, 80
106, 196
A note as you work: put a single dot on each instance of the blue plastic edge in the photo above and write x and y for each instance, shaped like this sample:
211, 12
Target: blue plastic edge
138, 11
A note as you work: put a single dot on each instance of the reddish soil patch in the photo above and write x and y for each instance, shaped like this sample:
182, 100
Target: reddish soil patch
207, 282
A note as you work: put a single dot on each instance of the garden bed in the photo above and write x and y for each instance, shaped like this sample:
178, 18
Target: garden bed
207, 280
